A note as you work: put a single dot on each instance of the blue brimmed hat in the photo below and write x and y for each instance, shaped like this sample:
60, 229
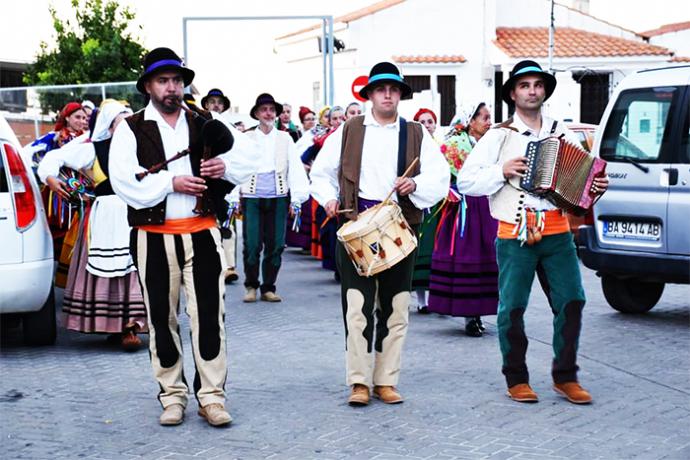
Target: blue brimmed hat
521, 69
161, 60
385, 72
218, 93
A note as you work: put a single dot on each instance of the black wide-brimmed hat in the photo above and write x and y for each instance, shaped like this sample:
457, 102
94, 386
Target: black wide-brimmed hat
265, 98
218, 93
385, 72
521, 69
160, 60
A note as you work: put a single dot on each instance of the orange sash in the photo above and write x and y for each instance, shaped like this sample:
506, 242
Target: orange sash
180, 226
555, 222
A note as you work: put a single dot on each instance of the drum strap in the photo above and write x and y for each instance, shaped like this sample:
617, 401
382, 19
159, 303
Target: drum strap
402, 147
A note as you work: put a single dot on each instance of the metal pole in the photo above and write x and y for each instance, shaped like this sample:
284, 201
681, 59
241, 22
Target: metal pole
325, 56
184, 41
331, 86
103, 92
551, 39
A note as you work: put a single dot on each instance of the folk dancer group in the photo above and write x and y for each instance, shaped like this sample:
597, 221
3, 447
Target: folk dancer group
161, 173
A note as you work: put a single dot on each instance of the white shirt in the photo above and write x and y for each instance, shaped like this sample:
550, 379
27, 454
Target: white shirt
482, 174
240, 164
76, 155
265, 145
379, 166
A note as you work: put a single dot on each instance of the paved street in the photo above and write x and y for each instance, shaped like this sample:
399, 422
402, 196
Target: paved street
84, 398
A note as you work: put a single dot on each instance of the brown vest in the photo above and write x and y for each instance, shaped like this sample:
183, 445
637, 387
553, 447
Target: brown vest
351, 165
150, 152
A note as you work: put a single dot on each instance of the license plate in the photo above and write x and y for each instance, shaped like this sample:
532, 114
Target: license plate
632, 230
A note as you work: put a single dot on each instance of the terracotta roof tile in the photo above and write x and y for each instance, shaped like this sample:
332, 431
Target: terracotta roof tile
454, 59
680, 59
668, 28
349, 17
533, 42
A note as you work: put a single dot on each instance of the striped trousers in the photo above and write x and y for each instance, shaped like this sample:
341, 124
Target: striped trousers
196, 261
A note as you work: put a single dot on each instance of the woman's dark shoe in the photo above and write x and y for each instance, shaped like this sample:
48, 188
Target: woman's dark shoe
474, 328
423, 310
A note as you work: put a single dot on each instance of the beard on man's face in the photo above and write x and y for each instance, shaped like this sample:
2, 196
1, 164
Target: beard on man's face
167, 104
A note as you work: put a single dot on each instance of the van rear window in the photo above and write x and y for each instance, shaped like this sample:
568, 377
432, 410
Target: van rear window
637, 127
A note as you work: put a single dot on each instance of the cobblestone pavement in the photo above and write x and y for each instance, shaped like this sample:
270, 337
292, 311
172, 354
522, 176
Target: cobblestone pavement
84, 398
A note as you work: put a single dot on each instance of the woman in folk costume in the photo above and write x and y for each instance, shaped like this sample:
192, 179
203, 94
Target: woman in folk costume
103, 293
326, 228
464, 275
427, 231
72, 123
299, 230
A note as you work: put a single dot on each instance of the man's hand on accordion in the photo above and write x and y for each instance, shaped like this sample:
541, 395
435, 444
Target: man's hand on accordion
516, 167
600, 185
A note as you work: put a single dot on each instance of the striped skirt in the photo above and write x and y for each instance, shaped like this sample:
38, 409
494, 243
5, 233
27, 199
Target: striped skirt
96, 304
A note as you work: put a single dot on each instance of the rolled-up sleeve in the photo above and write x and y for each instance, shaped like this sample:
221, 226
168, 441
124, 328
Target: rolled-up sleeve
434, 175
123, 165
324, 170
481, 174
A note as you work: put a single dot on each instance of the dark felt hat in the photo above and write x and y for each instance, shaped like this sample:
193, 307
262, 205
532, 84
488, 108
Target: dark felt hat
265, 98
218, 93
385, 72
521, 69
161, 60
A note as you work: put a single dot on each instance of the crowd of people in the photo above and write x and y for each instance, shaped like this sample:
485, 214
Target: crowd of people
142, 205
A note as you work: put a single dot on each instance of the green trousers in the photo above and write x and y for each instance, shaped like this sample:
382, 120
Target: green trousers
556, 259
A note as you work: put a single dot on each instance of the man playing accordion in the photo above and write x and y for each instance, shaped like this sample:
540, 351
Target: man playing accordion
533, 235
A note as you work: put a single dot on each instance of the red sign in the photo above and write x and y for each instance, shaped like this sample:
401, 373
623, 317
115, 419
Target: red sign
359, 83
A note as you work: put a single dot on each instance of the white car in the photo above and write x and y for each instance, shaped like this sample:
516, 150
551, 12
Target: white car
26, 248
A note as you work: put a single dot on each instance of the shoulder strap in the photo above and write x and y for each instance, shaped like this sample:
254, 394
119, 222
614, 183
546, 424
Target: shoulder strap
402, 146
553, 126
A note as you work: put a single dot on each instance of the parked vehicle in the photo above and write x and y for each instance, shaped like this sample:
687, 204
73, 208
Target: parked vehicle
640, 239
26, 252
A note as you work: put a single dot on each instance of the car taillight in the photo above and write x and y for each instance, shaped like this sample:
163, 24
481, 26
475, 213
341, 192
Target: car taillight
24, 204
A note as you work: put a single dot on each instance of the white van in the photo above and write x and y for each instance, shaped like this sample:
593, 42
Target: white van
640, 239
26, 247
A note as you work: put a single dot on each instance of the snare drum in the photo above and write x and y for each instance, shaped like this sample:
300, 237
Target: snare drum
378, 239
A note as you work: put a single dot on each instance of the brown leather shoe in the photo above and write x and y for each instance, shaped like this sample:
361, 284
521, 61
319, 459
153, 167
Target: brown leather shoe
270, 297
172, 415
130, 341
359, 396
388, 394
215, 414
522, 392
573, 392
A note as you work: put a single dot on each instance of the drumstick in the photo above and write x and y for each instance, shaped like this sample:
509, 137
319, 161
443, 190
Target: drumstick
339, 211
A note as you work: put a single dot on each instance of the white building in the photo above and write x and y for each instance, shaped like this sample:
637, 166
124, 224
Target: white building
460, 51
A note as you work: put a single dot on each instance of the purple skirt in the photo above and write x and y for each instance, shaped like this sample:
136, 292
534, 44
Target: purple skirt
302, 237
464, 274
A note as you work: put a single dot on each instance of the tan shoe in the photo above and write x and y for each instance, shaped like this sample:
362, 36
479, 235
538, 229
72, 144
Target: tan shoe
359, 395
522, 392
172, 415
271, 297
215, 414
573, 392
388, 394
250, 295
231, 275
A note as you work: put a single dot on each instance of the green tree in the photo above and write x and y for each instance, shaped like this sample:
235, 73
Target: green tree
97, 49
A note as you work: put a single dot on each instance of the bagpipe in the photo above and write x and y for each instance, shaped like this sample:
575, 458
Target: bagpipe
215, 139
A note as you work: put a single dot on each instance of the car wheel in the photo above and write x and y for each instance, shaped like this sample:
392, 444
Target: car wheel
40, 328
631, 295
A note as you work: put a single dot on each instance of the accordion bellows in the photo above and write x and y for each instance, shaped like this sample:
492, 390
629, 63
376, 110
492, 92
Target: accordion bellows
562, 173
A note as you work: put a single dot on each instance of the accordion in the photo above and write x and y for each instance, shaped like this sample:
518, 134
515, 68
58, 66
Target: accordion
562, 173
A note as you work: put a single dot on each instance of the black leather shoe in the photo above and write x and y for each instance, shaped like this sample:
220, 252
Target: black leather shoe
481, 325
423, 310
473, 328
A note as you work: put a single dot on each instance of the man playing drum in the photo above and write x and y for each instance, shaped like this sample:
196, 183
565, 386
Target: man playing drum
359, 165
